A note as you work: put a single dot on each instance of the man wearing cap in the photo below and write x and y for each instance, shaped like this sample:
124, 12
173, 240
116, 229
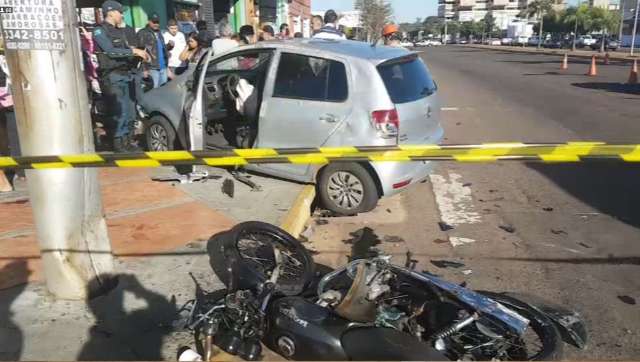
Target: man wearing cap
116, 58
150, 39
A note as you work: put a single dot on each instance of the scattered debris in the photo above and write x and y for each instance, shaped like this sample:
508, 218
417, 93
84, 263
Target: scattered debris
322, 222
468, 184
548, 209
463, 284
389, 211
392, 239
456, 241
440, 241
467, 272
508, 228
193, 246
458, 123
587, 246
228, 188
246, 179
308, 231
443, 264
559, 232
493, 191
588, 214
444, 226
627, 299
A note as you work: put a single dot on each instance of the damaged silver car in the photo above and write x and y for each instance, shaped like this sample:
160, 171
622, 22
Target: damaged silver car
305, 94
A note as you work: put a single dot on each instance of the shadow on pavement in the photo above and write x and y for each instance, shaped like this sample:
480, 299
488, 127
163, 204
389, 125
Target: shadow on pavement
11, 337
551, 73
611, 188
611, 87
131, 323
539, 61
579, 261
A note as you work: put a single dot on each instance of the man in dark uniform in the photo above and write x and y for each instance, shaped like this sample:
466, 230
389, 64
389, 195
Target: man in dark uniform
116, 58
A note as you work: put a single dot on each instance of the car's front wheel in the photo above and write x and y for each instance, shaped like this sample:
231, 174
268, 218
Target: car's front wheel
159, 134
347, 189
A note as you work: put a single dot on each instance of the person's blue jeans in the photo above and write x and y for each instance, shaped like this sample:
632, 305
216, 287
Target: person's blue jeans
159, 76
120, 103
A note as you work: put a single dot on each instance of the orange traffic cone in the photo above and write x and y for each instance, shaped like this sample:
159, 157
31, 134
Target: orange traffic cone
606, 58
565, 62
633, 76
593, 70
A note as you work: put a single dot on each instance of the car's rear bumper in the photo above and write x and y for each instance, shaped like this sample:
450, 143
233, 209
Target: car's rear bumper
396, 177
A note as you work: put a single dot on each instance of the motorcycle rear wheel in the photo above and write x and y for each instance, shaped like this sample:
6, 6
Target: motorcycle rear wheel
253, 246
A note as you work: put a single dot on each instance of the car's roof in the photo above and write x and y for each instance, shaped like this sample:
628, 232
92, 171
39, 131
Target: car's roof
349, 48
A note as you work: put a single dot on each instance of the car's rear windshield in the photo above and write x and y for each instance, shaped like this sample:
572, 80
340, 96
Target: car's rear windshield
407, 79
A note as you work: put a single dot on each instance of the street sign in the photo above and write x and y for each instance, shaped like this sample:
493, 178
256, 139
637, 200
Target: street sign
32, 24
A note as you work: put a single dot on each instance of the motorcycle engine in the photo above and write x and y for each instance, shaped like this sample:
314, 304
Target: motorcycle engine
371, 299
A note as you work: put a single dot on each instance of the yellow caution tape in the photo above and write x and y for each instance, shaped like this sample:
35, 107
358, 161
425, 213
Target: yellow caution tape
488, 152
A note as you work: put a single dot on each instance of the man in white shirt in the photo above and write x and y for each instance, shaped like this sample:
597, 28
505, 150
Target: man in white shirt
176, 43
224, 42
330, 29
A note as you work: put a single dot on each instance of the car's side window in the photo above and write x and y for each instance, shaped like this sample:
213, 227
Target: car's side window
311, 78
241, 62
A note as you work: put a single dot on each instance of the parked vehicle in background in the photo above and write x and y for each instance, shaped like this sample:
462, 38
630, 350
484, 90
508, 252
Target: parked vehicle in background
554, 43
493, 41
428, 43
463, 41
506, 41
533, 41
407, 44
585, 41
610, 44
435, 43
307, 93
520, 40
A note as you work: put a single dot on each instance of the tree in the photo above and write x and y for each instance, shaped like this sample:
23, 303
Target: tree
375, 14
433, 25
604, 20
489, 23
578, 17
453, 28
539, 8
471, 29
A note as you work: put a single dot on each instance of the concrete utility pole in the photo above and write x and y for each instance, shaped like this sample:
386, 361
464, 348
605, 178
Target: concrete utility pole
52, 109
635, 27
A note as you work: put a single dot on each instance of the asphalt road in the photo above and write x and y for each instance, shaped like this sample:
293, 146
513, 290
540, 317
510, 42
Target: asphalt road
567, 233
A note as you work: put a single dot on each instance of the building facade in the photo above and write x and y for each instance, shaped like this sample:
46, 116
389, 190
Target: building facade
296, 13
505, 12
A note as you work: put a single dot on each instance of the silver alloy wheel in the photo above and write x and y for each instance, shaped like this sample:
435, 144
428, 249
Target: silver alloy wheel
345, 190
159, 138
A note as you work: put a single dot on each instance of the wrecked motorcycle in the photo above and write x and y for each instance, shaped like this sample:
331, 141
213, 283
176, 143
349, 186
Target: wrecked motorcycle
369, 309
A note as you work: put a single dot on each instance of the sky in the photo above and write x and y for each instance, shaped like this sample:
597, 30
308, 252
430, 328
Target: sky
404, 10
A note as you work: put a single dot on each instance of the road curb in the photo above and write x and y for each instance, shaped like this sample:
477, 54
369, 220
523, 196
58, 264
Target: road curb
300, 212
612, 56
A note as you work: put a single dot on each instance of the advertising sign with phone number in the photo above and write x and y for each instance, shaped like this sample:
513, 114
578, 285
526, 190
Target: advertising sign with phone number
32, 24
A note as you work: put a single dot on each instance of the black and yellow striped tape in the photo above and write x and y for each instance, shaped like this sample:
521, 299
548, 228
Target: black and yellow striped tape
489, 152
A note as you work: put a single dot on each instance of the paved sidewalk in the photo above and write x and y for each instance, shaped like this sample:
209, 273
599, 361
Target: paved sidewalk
158, 232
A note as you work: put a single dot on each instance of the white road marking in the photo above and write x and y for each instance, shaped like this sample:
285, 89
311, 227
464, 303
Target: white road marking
456, 241
449, 109
454, 200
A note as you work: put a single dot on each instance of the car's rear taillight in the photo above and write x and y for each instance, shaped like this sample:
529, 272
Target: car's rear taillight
386, 122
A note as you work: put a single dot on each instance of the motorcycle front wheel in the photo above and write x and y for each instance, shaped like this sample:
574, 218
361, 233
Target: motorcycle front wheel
540, 342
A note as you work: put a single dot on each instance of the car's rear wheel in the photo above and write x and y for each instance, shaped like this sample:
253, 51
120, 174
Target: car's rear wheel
347, 189
159, 134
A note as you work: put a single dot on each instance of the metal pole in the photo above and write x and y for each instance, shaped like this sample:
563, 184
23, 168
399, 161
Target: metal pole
52, 110
444, 41
635, 27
